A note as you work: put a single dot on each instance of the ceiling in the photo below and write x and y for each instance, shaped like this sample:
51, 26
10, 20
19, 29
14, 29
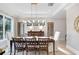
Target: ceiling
22, 10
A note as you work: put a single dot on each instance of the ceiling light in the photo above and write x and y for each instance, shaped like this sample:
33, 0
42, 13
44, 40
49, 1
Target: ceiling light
34, 4
50, 4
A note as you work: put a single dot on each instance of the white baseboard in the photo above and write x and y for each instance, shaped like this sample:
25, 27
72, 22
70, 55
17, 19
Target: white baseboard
73, 50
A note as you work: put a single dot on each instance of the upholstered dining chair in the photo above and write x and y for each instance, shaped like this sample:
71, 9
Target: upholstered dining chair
56, 38
9, 36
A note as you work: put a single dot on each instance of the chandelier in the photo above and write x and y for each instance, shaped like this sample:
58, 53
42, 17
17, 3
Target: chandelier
34, 19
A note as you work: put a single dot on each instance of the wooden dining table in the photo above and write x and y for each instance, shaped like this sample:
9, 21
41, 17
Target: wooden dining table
49, 41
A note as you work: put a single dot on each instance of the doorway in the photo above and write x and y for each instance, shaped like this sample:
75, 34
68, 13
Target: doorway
50, 29
20, 28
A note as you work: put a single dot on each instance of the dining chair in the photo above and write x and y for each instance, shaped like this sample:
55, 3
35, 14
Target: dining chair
56, 38
31, 44
19, 45
43, 44
9, 36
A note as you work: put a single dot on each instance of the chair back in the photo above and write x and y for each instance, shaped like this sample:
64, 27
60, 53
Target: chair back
19, 42
43, 41
31, 44
56, 36
9, 35
43, 44
31, 41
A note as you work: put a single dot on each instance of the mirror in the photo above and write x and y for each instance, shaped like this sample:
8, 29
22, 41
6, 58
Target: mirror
76, 24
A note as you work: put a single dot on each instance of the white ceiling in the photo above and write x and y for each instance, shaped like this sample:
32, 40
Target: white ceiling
23, 10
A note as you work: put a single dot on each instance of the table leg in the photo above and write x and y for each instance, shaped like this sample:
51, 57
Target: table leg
10, 47
54, 47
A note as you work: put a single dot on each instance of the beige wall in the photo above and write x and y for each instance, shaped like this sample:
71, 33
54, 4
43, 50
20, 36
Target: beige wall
15, 26
59, 25
72, 35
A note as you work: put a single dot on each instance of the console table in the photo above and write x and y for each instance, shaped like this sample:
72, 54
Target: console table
35, 33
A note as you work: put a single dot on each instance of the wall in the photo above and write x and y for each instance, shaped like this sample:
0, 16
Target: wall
27, 28
15, 26
72, 35
59, 25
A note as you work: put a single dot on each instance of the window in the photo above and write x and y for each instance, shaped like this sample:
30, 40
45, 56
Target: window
8, 24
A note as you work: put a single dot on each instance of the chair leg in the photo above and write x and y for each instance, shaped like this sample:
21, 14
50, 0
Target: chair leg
26, 52
23, 52
35, 52
47, 52
39, 51
14, 52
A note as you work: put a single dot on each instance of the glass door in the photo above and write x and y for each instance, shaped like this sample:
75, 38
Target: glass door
1, 27
8, 25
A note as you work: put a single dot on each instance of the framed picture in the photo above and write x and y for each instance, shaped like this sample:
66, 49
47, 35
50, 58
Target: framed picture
42, 23
35, 23
29, 23
76, 24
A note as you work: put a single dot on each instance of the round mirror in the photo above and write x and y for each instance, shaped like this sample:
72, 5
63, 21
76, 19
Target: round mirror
76, 24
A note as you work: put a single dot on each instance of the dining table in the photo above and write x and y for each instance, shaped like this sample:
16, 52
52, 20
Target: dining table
51, 40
